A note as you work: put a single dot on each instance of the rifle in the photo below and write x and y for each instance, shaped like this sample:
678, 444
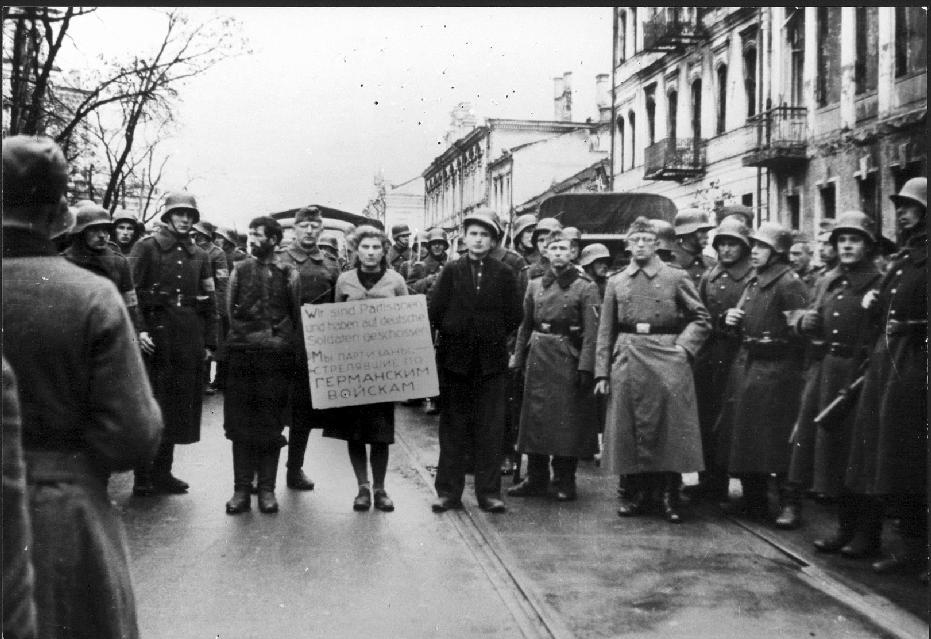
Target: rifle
832, 416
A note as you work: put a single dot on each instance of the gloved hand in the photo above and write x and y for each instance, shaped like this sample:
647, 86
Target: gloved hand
811, 322
584, 381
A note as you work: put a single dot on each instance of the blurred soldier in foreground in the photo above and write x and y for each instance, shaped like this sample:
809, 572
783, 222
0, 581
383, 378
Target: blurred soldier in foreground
220, 268
318, 274
175, 284
87, 407
889, 450
126, 230
652, 326
692, 226
400, 251
556, 349
263, 348
834, 324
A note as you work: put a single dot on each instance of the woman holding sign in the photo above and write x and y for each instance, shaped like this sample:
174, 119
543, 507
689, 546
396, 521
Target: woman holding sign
371, 424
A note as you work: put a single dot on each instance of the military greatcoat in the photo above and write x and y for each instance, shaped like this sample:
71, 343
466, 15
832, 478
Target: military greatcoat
765, 381
695, 264
423, 274
819, 456
652, 420
890, 432
176, 293
555, 340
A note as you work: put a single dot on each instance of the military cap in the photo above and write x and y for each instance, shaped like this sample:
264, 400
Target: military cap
400, 229
642, 225
308, 214
487, 218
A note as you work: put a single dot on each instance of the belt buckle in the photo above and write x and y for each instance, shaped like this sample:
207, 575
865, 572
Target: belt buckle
545, 327
643, 328
179, 300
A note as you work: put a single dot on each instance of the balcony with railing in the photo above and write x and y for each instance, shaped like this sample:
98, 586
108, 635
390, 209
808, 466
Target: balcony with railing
671, 29
674, 159
781, 139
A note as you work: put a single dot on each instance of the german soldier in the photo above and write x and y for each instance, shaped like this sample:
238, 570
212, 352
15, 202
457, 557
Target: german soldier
888, 457
318, 274
755, 422
556, 349
400, 251
692, 226
220, 267
126, 230
652, 326
800, 261
177, 295
834, 324
522, 242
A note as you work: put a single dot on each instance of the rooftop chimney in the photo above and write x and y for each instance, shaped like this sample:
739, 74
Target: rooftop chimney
603, 96
562, 100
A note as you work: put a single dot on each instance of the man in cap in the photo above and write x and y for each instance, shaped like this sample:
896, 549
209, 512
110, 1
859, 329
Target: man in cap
834, 324
651, 327
87, 407
475, 307
692, 226
719, 290
176, 291
543, 228
91, 249
317, 273
126, 230
203, 236
800, 261
400, 251
888, 458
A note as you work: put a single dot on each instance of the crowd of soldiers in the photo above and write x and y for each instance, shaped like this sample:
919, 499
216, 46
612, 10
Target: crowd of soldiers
737, 360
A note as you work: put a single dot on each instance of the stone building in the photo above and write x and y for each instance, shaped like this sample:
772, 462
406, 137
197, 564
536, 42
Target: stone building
799, 112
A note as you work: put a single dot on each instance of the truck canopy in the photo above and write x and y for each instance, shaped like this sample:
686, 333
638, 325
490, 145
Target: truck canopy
606, 215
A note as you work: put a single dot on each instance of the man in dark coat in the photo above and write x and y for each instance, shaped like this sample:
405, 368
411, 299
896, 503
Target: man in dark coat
220, 267
424, 273
400, 251
176, 289
692, 226
264, 345
800, 261
126, 230
318, 274
87, 407
225, 240
888, 457
474, 307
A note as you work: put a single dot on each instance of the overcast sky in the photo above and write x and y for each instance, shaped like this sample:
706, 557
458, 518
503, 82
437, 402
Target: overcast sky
330, 96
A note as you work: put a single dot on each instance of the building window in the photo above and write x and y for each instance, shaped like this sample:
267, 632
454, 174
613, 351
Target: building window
671, 112
632, 123
868, 193
747, 199
750, 79
828, 201
621, 36
696, 109
911, 39
722, 99
795, 39
794, 206
650, 101
829, 73
866, 67
633, 29
619, 146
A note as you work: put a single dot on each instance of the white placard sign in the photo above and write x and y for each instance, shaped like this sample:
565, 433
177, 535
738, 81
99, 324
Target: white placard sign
369, 351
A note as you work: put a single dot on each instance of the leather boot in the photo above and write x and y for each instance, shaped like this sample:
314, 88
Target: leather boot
268, 470
846, 526
754, 504
867, 539
538, 478
564, 469
633, 500
670, 499
243, 469
912, 558
790, 507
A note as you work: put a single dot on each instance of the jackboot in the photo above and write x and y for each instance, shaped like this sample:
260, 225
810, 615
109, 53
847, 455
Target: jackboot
847, 507
913, 557
867, 539
790, 507
243, 470
268, 470
670, 499
538, 478
564, 469
633, 500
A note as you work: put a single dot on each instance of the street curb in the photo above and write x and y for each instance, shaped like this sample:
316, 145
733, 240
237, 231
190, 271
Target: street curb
536, 618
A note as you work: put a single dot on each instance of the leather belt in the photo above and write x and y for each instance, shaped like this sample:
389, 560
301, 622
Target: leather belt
558, 329
769, 348
644, 328
906, 327
838, 349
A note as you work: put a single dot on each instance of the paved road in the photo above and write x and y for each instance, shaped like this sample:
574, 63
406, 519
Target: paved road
544, 569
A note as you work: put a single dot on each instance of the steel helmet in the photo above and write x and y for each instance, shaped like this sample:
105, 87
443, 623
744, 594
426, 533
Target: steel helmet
691, 220
205, 228
741, 210
524, 222
915, 190
328, 239
227, 234
546, 226
733, 226
437, 234
91, 215
486, 217
180, 200
594, 252
775, 236
573, 233
665, 235
122, 215
856, 221
400, 229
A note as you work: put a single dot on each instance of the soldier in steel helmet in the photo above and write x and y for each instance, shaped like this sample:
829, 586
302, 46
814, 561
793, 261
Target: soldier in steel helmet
834, 324
329, 244
226, 239
666, 242
719, 289
543, 228
419, 252
474, 307
318, 274
888, 457
755, 422
595, 260
126, 230
692, 226
176, 289
87, 408
522, 237
424, 273
91, 249
203, 236
400, 251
